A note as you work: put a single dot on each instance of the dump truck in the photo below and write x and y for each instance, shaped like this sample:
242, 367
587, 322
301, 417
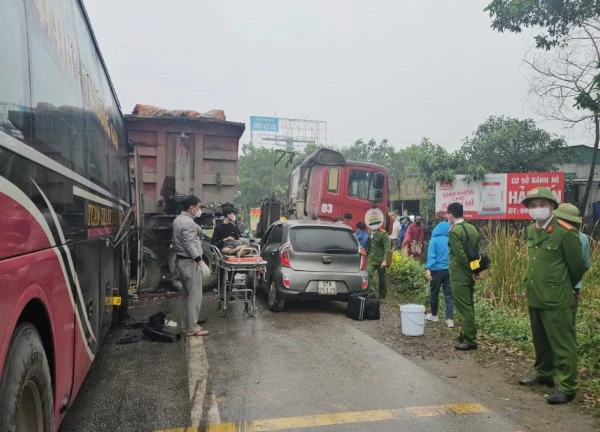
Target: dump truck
326, 186
180, 153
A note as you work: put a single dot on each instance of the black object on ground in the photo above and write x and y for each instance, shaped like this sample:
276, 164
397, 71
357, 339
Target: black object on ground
130, 338
356, 307
155, 329
372, 309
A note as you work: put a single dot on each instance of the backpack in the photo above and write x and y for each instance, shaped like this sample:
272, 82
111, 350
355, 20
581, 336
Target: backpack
478, 260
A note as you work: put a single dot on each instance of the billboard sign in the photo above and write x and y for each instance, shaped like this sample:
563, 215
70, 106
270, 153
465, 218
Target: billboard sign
267, 124
496, 196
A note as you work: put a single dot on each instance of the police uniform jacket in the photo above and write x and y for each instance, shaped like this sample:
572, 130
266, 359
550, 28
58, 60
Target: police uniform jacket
554, 265
378, 247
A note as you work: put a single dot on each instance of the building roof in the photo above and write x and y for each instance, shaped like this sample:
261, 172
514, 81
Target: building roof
580, 154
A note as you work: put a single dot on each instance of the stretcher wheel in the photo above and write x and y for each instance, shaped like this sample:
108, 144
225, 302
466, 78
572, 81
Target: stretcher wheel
218, 305
222, 313
251, 311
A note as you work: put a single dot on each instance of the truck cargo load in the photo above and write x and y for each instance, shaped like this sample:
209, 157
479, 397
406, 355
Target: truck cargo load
182, 153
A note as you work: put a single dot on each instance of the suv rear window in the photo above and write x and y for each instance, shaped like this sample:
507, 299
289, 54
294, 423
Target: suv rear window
323, 240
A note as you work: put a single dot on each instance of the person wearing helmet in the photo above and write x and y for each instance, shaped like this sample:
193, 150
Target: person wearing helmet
570, 213
555, 265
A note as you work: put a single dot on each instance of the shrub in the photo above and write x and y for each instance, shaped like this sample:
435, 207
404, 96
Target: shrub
503, 282
407, 273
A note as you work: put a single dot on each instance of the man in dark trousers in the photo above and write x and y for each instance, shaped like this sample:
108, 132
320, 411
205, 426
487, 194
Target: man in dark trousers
462, 279
555, 265
378, 250
187, 243
436, 271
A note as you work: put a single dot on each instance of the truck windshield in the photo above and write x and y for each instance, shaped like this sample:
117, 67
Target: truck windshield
362, 185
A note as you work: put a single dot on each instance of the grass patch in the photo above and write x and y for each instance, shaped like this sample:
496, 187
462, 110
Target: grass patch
501, 303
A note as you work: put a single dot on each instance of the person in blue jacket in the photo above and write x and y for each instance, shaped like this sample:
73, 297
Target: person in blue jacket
436, 271
362, 235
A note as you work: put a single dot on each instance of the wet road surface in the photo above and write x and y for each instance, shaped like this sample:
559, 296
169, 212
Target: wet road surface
304, 369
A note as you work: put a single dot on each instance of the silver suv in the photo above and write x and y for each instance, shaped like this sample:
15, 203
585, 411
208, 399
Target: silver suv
311, 260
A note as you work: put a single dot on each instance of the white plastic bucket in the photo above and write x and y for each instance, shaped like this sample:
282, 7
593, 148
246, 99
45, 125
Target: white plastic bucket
412, 318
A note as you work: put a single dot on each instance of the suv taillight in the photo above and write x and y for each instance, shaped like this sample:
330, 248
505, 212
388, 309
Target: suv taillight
284, 255
363, 262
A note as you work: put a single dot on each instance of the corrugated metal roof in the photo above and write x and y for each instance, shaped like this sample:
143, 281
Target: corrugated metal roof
580, 154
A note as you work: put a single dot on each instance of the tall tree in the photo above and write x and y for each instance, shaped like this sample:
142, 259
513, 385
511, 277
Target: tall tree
257, 173
566, 85
428, 162
380, 153
570, 75
554, 18
503, 144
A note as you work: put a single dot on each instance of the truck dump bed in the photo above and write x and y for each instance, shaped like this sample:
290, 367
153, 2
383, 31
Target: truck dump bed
185, 155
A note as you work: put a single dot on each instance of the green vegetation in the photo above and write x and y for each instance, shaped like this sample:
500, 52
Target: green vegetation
501, 305
500, 144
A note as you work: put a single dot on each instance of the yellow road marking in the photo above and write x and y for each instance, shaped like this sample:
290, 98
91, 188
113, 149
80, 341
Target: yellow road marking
351, 417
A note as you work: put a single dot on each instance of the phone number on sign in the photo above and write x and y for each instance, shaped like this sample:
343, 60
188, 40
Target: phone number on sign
521, 211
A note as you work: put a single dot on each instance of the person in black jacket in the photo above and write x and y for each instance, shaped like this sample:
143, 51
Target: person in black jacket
226, 236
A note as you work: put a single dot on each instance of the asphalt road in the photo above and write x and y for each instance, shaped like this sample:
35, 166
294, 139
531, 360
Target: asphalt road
304, 369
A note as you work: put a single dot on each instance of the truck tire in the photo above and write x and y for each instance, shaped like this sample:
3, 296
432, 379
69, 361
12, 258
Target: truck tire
26, 402
208, 283
151, 271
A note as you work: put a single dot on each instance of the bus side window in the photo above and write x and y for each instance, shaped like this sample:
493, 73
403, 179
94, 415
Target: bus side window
15, 103
333, 179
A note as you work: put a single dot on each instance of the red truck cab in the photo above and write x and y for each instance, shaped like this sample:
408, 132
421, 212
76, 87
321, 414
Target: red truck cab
325, 186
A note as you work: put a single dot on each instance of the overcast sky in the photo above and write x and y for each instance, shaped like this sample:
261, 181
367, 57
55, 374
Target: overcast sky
391, 69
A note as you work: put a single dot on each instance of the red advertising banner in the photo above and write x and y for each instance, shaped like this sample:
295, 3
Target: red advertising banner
496, 196
521, 183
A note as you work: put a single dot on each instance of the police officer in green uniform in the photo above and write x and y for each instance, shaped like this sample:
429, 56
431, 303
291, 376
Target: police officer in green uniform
554, 266
378, 249
462, 278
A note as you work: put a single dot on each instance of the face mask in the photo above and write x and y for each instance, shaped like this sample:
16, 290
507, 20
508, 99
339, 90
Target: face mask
539, 213
198, 213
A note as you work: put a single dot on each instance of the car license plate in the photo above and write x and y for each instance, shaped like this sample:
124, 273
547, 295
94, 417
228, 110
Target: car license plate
327, 288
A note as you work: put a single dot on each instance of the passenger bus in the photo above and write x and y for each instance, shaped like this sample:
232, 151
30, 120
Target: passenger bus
64, 193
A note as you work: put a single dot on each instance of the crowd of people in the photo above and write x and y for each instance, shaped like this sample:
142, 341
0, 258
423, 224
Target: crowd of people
558, 255
557, 258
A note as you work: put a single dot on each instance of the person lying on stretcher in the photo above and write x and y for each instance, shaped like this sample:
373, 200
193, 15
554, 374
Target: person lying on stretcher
226, 236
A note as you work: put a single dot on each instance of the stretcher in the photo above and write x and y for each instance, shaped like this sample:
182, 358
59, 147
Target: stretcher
237, 278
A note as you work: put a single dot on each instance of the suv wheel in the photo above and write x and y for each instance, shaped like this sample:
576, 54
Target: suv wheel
275, 303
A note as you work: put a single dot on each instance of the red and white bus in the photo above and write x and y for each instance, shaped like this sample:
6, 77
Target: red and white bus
64, 191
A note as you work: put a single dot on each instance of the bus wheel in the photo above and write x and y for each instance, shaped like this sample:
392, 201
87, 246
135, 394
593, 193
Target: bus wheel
26, 387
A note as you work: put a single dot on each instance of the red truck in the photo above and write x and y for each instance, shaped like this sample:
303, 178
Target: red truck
325, 186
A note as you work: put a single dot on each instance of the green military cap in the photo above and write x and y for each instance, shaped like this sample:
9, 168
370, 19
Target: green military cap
568, 212
539, 193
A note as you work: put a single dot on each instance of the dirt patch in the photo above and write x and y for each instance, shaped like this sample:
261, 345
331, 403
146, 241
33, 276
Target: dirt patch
490, 373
